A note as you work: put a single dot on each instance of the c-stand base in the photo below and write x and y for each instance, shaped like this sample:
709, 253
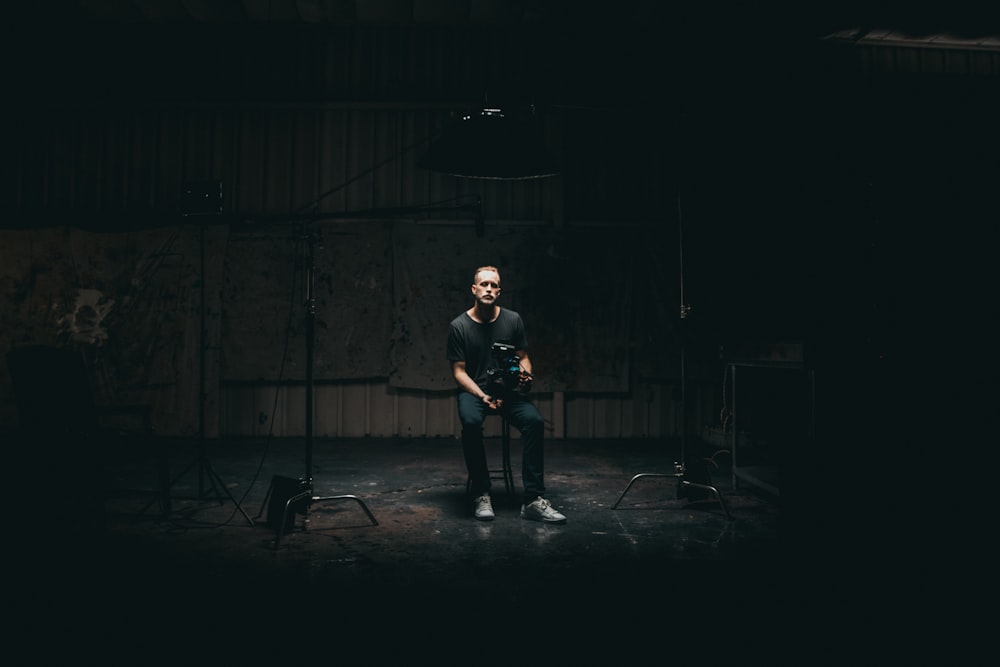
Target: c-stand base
301, 502
678, 474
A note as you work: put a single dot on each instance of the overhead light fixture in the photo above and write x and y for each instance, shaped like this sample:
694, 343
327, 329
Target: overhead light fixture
490, 144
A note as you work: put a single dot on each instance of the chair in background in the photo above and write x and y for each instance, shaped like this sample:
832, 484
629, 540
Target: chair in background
65, 442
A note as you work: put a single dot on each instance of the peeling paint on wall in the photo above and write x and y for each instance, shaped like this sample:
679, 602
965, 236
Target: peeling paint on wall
263, 303
85, 322
130, 303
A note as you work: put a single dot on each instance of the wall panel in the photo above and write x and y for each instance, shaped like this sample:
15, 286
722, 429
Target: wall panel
273, 160
384, 411
373, 409
343, 118
412, 417
277, 162
355, 415
442, 413
328, 409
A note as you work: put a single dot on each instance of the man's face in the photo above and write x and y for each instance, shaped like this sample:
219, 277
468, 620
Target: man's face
486, 288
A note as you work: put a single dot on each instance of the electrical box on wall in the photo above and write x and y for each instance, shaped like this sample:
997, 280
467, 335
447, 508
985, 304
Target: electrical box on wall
201, 198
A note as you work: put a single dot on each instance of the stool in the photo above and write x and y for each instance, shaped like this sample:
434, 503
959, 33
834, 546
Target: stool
505, 472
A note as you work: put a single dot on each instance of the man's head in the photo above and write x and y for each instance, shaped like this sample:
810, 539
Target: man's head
486, 285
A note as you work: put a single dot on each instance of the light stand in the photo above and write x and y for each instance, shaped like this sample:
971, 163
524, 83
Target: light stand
201, 199
289, 496
680, 470
306, 498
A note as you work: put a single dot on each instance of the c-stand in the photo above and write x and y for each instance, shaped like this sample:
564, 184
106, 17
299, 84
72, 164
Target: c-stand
303, 500
680, 467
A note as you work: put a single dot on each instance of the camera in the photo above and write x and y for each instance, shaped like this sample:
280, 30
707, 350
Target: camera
507, 377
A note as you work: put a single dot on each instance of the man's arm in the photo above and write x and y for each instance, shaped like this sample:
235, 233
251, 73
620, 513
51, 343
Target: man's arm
465, 381
525, 361
527, 378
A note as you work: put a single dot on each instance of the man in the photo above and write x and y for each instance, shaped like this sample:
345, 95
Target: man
470, 351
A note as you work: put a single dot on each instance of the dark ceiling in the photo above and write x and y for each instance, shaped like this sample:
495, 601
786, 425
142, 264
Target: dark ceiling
752, 20
576, 51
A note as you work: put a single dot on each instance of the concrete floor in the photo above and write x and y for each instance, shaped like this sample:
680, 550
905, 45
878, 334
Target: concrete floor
659, 575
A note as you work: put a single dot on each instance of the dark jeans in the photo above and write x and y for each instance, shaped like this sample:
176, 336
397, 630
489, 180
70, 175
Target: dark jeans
524, 416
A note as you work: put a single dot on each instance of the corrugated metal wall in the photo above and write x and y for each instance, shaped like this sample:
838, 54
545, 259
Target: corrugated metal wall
330, 123
928, 58
338, 118
272, 160
286, 115
376, 410
123, 168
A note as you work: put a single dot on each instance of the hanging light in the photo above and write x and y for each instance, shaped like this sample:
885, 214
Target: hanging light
490, 144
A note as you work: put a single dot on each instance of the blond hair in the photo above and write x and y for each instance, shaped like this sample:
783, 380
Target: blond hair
475, 276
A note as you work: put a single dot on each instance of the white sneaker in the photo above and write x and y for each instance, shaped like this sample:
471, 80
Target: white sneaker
484, 508
541, 510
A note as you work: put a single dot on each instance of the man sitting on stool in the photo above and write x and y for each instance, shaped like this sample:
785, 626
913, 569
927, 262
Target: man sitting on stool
480, 378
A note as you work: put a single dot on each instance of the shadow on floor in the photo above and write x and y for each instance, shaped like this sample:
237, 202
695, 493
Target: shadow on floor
428, 584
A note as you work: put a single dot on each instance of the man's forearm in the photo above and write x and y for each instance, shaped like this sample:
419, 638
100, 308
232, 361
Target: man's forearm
466, 383
525, 361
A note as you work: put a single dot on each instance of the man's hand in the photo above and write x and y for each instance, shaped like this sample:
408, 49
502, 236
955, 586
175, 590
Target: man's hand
493, 403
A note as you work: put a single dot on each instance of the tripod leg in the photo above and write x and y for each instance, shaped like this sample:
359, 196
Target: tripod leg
170, 483
308, 494
218, 480
632, 481
267, 496
371, 517
718, 496
163, 485
684, 482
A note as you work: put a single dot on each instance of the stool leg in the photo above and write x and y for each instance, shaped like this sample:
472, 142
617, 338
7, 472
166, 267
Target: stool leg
506, 469
508, 472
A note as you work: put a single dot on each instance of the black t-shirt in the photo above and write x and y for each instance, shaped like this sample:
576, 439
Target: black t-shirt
472, 342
